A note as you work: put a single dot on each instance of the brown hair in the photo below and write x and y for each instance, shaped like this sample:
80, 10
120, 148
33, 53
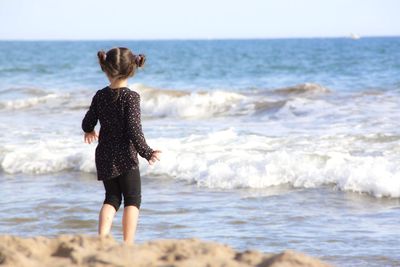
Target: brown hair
120, 62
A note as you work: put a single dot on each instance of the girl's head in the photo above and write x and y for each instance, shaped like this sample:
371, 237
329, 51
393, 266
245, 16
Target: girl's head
120, 62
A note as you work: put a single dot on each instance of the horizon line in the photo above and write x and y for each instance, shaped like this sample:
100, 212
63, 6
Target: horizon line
193, 39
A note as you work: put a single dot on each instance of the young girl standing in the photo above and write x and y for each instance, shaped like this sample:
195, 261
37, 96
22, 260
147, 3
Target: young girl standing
119, 140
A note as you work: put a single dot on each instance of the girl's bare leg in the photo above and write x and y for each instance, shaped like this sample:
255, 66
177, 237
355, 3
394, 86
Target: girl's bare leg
106, 217
129, 223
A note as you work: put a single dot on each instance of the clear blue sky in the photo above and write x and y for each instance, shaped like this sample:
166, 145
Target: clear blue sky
188, 19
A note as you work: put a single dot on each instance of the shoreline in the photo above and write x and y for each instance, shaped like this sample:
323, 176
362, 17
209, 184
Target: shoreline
86, 250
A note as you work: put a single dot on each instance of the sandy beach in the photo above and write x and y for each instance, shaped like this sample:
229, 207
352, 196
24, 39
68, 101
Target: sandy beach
85, 250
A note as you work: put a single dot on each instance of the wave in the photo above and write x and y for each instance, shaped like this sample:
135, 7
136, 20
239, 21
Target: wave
227, 160
29, 102
207, 104
28, 98
301, 89
183, 104
28, 91
161, 103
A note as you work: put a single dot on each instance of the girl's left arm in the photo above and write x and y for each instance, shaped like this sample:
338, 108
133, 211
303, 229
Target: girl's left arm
91, 117
134, 126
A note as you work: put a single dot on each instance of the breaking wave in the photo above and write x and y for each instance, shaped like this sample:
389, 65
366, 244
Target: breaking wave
227, 160
161, 103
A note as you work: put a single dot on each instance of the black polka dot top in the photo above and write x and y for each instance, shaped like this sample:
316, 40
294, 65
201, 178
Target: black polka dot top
121, 136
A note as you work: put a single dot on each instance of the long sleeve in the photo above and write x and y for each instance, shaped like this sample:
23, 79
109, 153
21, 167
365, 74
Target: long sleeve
134, 126
91, 117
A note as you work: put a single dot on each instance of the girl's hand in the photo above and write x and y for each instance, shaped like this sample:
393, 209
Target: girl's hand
155, 156
90, 137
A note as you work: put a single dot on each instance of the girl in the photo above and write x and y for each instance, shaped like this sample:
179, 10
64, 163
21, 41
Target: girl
120, 139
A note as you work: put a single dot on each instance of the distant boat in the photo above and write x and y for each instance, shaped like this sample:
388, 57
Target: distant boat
354, 36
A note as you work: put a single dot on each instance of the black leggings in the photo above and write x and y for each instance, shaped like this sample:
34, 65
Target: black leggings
127, 185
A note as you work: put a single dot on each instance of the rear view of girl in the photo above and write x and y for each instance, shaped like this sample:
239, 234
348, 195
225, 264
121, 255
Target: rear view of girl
120, 139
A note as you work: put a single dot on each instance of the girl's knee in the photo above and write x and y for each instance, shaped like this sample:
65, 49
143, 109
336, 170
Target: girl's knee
133, 200
113, 200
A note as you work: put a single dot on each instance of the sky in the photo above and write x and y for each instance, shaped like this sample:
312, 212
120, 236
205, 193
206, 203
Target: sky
200, 19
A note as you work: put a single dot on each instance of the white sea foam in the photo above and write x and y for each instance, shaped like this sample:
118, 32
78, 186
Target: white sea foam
229, 160
43, 157
226, 160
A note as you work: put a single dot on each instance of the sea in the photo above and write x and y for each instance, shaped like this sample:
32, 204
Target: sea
267, 144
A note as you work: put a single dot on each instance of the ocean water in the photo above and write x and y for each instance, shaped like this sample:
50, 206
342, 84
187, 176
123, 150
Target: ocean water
267, 144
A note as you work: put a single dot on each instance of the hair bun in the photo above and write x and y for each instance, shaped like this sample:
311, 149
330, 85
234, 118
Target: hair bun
102, 56
140, 60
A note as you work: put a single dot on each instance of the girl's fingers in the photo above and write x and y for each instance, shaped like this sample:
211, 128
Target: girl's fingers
152, 160
155, 154
90, 138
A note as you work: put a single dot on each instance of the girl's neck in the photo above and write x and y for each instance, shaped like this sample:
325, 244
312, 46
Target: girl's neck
118, 83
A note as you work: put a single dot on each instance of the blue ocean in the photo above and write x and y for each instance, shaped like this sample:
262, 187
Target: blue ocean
266, 144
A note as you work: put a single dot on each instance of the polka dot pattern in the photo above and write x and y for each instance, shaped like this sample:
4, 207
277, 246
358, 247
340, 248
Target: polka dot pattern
121, 137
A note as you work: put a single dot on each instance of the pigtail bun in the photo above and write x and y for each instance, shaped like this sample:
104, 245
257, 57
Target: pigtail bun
102, 57
140, 60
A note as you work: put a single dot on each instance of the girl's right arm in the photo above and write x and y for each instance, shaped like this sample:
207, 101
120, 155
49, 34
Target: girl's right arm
90, 119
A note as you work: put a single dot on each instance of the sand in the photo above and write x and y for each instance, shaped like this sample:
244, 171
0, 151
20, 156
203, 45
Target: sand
83, 250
